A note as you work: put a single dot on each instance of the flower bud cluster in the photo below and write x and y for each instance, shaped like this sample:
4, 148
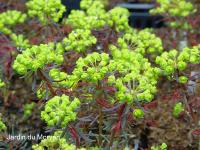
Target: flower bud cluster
45, 10
174, 60
62, 79
137, 79
60, 110
118, 18
79, 40
20, 42
94, 16
55, 142
36, 57
143, 42
9, 19
180, 8
92, 68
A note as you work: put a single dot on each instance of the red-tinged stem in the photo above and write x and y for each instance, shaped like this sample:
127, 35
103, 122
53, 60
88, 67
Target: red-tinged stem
117, 127
100, 124
74, 134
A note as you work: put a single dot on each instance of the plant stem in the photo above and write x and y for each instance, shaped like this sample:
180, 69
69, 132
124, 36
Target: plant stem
100, 124
42, 76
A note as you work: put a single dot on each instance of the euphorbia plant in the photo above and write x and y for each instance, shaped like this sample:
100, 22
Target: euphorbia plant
100, 80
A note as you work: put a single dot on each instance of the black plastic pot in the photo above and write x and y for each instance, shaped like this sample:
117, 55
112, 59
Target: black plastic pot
70, 5
140, 16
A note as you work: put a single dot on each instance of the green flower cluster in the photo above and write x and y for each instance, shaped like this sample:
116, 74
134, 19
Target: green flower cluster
178, 108
36, 57
173, 60
28, 109
2, 125
138, 113
190, 55
55, 142
20, 42
175, 8
143, 42
149, 42
180, 25
129, 72
46, 10
79, 40
163, 146
168, 62
9, 19
2, 84
86, 4
93, 7
118, 18
92, 68
92, 15
179, 8
62, 79
137, 80
60, 111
